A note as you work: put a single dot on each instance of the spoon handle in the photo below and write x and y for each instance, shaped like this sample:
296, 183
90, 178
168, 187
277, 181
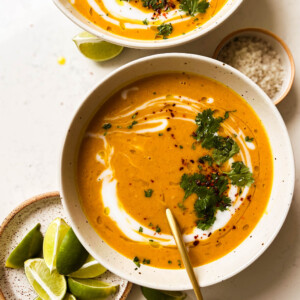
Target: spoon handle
184, 255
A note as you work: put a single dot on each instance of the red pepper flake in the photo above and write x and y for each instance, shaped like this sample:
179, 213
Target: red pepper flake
169, 128
249, 198
196, 243
233, 227
174, 104
173, 136
145, 118
209, 234
196, 236
192, 161
180, 169
172, 115
152, 180
175, 145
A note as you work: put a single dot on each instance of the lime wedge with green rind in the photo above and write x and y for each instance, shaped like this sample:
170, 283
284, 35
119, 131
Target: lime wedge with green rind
90, 269
151, 294
86, 289
52, 241
94, 48
66, 297
71, 254
30, 246
49, 286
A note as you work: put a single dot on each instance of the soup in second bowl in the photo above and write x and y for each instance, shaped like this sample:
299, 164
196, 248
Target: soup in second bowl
180, 141
148, 19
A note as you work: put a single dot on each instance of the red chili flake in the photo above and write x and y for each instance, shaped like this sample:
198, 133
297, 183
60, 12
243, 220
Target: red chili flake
174, 104
233, 227
192, 161
172, 115
145, 218
196, 236
180, 169
169, 128
209, 234
152, 180
145, 118
249, 198
196, 243
175, 145
173, 136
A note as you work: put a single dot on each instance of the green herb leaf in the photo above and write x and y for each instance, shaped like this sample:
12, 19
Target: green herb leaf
137, 261
148, 193
192, 7
141, 229
165, 30
106, 126
132, 124
240, 174
248, 139
225, 148
206, 158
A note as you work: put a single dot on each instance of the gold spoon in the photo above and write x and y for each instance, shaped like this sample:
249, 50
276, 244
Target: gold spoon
184, 255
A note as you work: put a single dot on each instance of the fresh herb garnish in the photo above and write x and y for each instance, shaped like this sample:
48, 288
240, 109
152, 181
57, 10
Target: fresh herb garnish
157, 229
148, 193
145, 22
132, 124
160, 134
206, 133
106, 126
154, 4
164, 30
192, 7
240, 174
248, 139
146, 261
141, 229
206, 158
134, 116
169, 261
137, 261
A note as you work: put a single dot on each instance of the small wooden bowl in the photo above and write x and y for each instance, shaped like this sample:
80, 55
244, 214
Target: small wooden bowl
40, 209
279, 46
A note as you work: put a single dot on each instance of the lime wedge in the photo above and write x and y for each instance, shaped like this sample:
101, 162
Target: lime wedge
53, 238
66, 297
49, 286
91, 288
90, 269
71, 254
30, 246
94, 48
151, 294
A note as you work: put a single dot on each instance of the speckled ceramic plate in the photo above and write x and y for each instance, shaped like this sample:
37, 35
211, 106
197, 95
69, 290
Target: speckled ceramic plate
41, 209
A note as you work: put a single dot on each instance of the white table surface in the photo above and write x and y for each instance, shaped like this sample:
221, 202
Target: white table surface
38, 98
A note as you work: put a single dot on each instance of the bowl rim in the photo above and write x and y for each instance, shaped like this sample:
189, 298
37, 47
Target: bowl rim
32, 200
140, 44
231, 35
272, 107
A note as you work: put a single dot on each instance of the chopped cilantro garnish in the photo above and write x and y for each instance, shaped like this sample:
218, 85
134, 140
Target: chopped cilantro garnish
148, 193
141, 229
145, 22
132, 124
206, 158
165, 30
169, 261
137, 261
106, 126
180, 146
240, 174
134, 116
248, 139
157, 229
192, 7
146, 261
160, 134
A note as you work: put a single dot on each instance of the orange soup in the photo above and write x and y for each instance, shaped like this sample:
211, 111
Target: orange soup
178, 141
148, 19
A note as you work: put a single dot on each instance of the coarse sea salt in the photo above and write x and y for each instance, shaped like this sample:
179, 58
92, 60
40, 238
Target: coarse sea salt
257, 59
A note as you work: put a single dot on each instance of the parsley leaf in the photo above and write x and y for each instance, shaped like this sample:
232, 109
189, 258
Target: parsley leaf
192, 7
148, 193
240, 174
106, 126
165, 30
225, 148
248, 139
206, 158
136, 260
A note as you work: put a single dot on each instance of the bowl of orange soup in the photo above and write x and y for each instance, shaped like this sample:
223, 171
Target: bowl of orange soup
184, 132
148, 23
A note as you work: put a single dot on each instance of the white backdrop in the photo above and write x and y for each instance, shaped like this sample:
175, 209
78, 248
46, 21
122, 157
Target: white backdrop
38, 98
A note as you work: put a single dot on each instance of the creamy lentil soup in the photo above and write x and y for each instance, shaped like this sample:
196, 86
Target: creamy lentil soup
181, 141
148, 19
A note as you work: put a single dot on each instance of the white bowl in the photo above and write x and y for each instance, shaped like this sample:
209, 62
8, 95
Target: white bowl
266, 229
228, 9
278, 45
